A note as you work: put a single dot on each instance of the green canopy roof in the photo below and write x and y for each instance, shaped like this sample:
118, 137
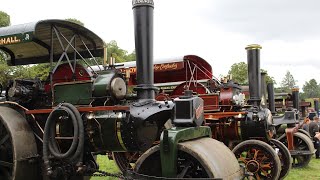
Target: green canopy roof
32, 43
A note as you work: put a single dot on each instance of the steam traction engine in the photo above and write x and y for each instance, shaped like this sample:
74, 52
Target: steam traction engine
52, 129
248, 129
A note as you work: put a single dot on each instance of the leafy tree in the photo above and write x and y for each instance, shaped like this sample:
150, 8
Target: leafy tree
288, 82
119, 54
239, 72
4, 19
311, 89
75, 21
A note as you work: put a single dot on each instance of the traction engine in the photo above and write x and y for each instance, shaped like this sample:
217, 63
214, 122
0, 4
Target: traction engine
54, 129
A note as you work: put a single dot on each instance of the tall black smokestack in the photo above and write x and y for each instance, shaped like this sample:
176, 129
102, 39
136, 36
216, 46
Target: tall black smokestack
254, 76
143, 33
316, 105
271, 102
263, 90
295, 98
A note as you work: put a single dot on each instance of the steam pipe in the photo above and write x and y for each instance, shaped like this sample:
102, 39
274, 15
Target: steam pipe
295, 98
254, 76
143, 32
271, 102
316, 105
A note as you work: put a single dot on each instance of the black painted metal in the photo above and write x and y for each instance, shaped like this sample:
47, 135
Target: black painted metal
271, 103
143, 32
263, 89
295, 98
254, 76
316, 106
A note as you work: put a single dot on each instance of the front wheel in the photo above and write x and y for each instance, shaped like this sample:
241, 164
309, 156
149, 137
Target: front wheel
200, 158
259, 159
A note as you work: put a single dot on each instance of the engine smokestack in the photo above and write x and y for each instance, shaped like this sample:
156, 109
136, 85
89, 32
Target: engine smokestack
254, 76
316, 105
271, 102
143, 33
295, 98
263, 90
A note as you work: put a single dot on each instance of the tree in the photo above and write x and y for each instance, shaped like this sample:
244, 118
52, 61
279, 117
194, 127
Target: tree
75, 21
288, 82
119, 54
239, 72
311, 89
4, 19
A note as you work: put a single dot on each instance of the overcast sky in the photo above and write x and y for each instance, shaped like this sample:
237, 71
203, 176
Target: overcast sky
216, 30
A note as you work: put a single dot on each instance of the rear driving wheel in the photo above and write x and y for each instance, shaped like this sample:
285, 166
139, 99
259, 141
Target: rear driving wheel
6, 153
18, 150
303, 149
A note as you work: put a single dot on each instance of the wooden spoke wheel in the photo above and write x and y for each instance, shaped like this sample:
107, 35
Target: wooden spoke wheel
302, 143
201, 158
259, 159
284, 156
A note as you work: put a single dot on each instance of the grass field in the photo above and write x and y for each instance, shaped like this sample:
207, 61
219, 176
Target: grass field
311, 172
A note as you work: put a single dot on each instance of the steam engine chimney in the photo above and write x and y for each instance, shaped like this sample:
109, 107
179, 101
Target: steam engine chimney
254, 76
143, 32
271, 102
295, 98
316, 105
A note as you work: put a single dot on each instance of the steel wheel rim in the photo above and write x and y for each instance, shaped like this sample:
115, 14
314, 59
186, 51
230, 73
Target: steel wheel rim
300, 143
6, 153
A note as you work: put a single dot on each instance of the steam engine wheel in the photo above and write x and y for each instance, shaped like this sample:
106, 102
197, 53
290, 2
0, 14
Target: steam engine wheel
259, 159
125, 160
303, 144
201, 158
18, 150
284, 155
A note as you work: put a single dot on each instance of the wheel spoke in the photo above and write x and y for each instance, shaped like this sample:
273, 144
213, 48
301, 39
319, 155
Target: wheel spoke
6, 164
255, 154
266, 166
4, 139
257, 176
242, 159
184, 170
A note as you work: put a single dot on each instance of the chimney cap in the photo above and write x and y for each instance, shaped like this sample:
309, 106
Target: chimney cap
253, 46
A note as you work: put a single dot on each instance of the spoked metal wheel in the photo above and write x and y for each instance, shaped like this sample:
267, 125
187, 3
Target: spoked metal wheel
260, 159
125, 160
201, 158
18, 150
284, 156
303, 149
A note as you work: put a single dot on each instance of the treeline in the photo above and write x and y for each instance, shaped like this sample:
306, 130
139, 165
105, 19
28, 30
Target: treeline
311, 89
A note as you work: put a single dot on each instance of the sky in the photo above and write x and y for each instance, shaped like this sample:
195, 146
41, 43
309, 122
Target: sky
216, 30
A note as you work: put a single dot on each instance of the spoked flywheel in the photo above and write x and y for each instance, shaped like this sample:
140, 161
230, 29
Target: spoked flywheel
201, 158
18, 150
303, 149
260, 159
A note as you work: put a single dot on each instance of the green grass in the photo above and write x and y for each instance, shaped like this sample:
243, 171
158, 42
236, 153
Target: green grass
311, 172
106, 165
